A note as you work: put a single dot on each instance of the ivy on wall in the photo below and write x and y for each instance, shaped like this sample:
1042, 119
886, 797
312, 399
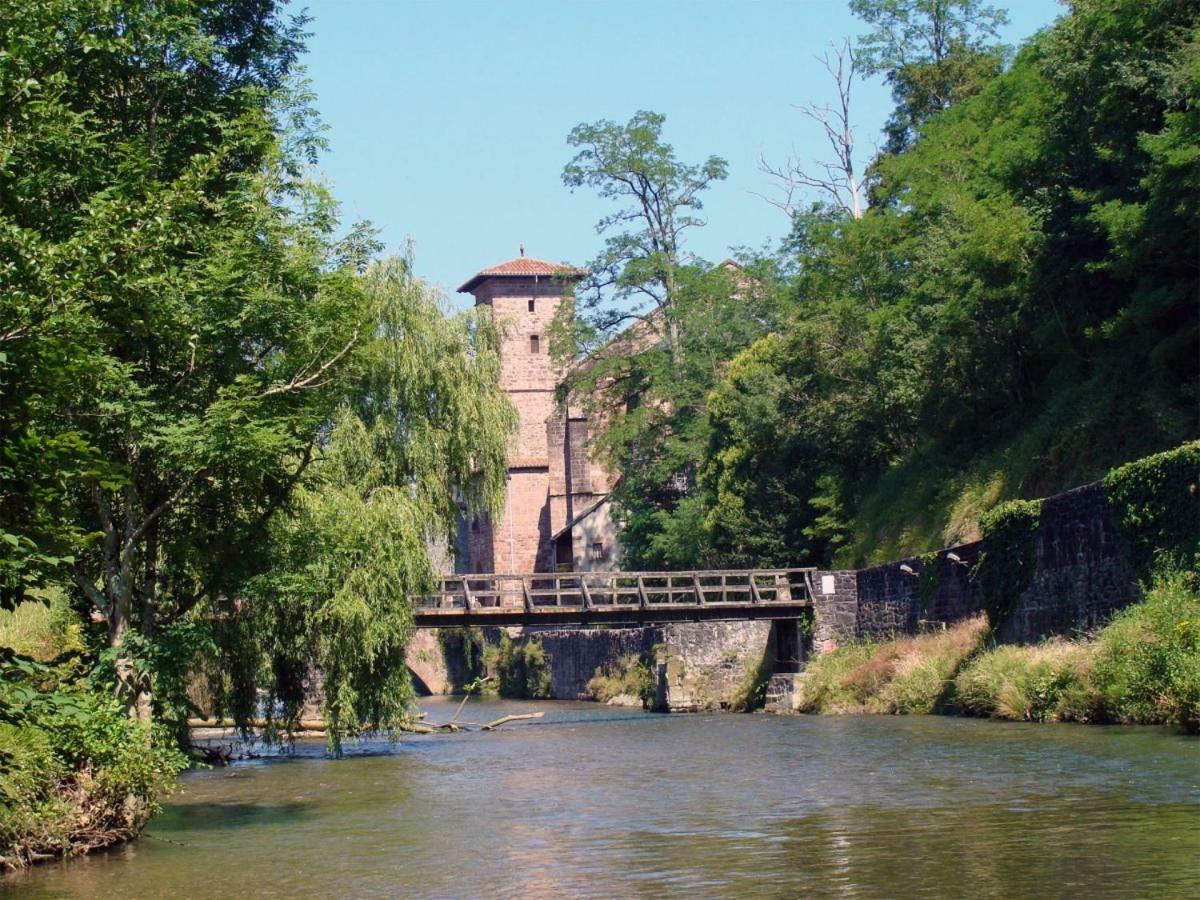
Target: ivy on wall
1007, 557
928, 580
1156, 507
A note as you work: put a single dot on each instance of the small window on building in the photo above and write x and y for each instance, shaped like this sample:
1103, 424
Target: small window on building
531, 305
535, 344
597, 553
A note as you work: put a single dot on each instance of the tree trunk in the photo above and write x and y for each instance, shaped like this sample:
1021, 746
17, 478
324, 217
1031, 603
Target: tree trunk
673, 332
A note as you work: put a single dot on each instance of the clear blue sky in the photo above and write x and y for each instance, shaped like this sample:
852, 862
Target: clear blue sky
448, 120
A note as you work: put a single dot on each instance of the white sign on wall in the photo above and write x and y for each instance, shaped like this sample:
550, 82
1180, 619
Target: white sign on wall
827, 584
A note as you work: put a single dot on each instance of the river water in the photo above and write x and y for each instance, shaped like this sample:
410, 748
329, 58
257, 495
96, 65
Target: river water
601, 802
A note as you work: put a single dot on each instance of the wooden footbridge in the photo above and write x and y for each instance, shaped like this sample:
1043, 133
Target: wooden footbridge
612, 598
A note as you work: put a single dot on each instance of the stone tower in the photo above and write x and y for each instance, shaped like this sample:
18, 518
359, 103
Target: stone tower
523, 295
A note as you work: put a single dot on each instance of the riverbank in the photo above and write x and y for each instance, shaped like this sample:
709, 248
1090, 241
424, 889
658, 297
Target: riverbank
1142, 668
76, 774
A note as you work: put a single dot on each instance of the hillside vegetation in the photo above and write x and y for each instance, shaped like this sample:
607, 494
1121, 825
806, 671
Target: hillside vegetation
1014, 314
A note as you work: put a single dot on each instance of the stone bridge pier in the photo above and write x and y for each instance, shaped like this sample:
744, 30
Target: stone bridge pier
697, 666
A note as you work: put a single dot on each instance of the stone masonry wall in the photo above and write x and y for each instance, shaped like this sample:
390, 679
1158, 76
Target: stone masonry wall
699, 665
835, 609
711, 665
890, 598
574, 656
427, 662
1081, 577
1083, 573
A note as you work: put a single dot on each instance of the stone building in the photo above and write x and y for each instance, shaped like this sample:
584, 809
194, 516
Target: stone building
556, 512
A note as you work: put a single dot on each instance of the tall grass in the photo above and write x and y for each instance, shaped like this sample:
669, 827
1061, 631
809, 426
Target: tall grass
1142, 668
905, 675
1050, 682
1147, 661
42, 628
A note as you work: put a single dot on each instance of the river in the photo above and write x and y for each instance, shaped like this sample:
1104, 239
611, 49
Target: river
602, 802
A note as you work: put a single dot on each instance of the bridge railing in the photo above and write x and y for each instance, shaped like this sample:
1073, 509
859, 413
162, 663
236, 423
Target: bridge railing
609, 590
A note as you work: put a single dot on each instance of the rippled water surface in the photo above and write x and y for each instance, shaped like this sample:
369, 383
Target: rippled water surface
593, 801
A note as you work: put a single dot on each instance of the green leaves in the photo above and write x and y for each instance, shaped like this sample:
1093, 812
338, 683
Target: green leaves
237, 439
1016, 309
658, 198
1156, 505
424, 429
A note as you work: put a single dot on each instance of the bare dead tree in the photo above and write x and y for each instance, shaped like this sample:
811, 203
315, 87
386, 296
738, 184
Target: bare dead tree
835, 179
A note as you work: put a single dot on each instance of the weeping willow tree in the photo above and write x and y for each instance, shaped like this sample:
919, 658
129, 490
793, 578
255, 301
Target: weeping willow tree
422, 434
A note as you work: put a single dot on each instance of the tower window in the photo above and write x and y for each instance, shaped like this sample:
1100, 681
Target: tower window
531, 304
597, 553
535, 344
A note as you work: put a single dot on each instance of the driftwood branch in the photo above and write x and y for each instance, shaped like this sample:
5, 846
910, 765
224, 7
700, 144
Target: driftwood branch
517, 718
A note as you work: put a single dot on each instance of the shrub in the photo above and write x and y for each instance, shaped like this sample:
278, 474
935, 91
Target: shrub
1007, 556
1156, 505
75, 772
1047, 682
904, 675
751, 691
1147, 664
41, 628
629, 675
31, 813
924, 667
823, 688
522, 669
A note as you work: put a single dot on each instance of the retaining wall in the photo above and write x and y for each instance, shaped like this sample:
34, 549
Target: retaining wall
1082, 575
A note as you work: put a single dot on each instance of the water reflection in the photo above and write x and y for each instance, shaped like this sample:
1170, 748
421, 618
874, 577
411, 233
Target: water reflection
603, 803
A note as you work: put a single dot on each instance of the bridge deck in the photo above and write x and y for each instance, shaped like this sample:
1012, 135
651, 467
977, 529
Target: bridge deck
607, 598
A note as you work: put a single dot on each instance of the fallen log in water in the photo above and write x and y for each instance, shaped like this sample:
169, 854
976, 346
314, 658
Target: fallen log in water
500, 721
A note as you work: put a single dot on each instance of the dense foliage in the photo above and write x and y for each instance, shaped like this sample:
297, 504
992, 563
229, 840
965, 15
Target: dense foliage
649, 329
231, 437
629, 676
521, 669
1007, 556
75, 771
1156, 503
424, 432
1147, 663
1013, 315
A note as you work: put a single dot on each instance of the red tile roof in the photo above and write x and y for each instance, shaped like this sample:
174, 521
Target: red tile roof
523, 267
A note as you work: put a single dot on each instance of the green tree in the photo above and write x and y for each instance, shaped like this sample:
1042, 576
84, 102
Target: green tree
424, 431
638, 272
188, 328
681, 317
1015, 318
933, 53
